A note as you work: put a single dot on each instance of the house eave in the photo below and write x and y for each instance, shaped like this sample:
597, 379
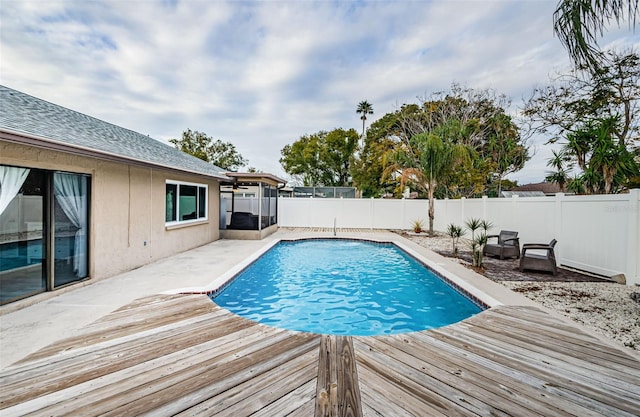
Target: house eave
54, 145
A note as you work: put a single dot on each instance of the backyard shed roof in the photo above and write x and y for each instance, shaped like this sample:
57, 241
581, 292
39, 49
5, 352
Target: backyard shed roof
30, 120
262, 177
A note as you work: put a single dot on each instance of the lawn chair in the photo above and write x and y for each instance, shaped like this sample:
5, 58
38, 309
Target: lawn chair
544, 262
508, 245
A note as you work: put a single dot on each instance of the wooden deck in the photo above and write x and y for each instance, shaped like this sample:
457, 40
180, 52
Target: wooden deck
183, 355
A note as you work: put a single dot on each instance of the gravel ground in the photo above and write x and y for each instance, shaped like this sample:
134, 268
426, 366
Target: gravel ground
608, 308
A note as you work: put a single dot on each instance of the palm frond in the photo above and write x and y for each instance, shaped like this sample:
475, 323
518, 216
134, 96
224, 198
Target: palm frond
579, 23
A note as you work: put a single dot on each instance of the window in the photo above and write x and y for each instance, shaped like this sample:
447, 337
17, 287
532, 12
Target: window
185, 202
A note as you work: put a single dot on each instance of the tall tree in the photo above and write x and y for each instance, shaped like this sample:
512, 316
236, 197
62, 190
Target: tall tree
337, 156
593, 114
321, 159
364, 108
382, 136
483, 126
503, 147
217, 152
301, 159
579, 23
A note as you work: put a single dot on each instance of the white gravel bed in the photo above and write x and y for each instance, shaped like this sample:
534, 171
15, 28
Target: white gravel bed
606, 308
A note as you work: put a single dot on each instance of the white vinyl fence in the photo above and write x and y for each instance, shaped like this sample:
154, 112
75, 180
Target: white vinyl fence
598, 234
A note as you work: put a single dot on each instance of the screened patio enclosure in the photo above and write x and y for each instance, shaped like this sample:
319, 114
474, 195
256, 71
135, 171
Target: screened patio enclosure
249, 205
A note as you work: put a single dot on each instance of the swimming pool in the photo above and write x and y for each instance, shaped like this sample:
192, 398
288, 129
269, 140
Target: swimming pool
343, 287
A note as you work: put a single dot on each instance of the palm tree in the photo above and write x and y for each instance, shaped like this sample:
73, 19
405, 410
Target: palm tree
560, 175
425, 161
576, 185
365, 108
578, 24
605, 162
610, 157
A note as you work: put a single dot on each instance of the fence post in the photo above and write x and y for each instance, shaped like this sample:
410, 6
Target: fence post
515, 213
557, 227
445, 208
342, 211
632, 272
484, 206
371, 212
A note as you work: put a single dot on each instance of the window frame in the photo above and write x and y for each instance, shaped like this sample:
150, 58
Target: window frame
197, 219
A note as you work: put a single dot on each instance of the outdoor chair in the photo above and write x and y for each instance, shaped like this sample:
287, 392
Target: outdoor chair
536, 262
507, 246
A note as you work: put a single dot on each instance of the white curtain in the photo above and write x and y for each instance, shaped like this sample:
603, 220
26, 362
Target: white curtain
11, 180
71, 193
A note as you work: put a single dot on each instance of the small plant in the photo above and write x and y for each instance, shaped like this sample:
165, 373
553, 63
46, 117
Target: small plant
455, 232
478, 242
418, 226
477, 246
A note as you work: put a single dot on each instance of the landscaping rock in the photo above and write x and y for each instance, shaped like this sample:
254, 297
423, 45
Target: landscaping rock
600, 304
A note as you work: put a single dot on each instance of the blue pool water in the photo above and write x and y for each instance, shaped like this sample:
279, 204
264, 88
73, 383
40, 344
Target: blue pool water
343, 287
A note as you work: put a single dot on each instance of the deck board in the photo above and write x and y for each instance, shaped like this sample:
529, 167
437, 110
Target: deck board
556, 341
458, 379
184, 355
337, 390
133, 319
551, 372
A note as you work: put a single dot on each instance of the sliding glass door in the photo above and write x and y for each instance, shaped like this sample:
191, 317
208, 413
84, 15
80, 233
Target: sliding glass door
23, 222
44, 226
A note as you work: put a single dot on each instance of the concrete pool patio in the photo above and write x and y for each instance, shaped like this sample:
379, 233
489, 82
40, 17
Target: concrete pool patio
119, 346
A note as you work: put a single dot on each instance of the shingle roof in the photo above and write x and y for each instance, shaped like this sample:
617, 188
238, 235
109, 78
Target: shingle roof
509, 194
545, 187
24, 114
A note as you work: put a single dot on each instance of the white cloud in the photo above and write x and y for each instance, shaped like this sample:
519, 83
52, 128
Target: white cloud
262, 74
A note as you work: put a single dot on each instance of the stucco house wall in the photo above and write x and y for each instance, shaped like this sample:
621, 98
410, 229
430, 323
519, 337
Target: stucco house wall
127, 213
125, 183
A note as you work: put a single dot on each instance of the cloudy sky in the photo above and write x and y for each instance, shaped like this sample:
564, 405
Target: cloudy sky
262, 74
